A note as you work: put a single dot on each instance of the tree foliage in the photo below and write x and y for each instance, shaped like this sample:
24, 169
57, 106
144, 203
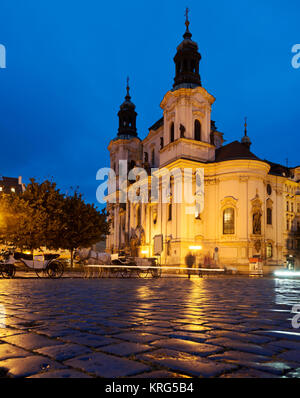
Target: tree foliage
43, 217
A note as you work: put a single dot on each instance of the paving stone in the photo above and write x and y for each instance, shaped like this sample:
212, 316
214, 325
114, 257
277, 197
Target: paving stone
126, 348
291, 355
104, 365
10, 351
249, 374
160, 374
30, 341
63, 352
285, 344
10, 332
138, 337
90, 340
188, 346
186, 363
198, 337
56, 332
28, 366
63, 373
284, 335
240, 346
237, 357
277, 368
244, 337
192, 328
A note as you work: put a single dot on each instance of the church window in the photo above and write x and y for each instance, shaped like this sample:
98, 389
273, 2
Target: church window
269, 216
161, 142
153, 157
138, 216
170, 212
197, 130
228, 221
172, 133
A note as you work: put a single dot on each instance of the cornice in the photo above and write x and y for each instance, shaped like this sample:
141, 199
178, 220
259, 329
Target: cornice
188, 93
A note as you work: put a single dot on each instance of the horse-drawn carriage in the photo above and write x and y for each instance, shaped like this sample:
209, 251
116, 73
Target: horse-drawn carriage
46, 265
123, 266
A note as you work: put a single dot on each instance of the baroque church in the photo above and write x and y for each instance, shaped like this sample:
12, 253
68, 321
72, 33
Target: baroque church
251, 206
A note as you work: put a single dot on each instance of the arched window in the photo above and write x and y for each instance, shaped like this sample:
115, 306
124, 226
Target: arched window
172, 133
228, 221
170, 212
153, 157
269, 216
138, 216
161, 142
197, 130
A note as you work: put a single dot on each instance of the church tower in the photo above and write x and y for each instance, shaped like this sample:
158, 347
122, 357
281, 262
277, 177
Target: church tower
127, 145
187, 108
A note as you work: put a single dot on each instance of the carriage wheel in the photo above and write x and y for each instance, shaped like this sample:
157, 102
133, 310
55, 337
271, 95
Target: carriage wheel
8, 271
143, 273
41, 273
156, 273
126, 273
55, 269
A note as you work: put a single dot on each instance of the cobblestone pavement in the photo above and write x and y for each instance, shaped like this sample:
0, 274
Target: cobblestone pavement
170, 327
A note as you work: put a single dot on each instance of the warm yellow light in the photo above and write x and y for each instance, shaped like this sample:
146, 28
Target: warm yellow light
195, 247
144, 251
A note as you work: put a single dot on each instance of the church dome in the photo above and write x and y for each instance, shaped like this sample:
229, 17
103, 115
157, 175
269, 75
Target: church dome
127, 117
187, 61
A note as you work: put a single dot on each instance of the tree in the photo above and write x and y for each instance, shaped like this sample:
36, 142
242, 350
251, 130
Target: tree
82, 224
42, 217
32, 219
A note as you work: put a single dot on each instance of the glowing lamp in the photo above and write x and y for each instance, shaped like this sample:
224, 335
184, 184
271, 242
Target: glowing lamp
195, 247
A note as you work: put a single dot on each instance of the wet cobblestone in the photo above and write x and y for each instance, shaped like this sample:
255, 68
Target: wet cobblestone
171, 327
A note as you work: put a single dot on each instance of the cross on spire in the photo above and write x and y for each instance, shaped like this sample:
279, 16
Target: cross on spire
127, 88
245, 125
187, 22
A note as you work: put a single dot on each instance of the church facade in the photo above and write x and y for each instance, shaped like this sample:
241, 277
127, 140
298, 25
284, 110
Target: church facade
251, 206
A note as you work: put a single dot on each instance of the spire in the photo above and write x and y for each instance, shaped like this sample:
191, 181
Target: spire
128, 98
187, 60
127, 117
246, 140
187, 34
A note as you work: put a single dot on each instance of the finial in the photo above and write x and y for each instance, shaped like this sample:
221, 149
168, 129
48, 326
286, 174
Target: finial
246, 140
245, 126
187, 35
187, 22
127, 89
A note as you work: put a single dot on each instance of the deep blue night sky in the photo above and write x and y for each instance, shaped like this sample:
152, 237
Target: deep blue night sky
67, 62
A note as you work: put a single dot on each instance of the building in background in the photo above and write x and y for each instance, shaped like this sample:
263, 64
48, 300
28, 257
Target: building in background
251, 205
11, 185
